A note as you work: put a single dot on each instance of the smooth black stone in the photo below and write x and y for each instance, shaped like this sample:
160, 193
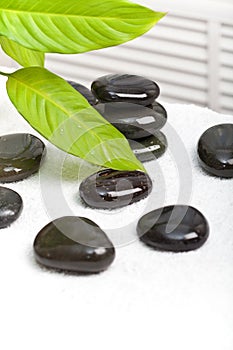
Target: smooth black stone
83, 90
176, 228
125, 88
11, 205
161, 114
149, 148
75, 244
110, 189
133, 120
20, 156
215, 150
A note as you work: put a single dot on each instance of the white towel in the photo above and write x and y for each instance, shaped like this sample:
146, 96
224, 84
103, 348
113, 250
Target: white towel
146, 299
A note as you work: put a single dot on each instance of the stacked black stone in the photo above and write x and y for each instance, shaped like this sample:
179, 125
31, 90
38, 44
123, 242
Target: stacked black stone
83, 90
128, 102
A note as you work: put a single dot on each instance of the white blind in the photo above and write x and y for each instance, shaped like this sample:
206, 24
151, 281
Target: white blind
189, 53
226, 68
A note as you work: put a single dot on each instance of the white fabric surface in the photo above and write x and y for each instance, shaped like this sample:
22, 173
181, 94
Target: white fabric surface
146, 299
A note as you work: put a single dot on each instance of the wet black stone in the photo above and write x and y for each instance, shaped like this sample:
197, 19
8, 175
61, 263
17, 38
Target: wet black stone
174, 228
215, 150
133, 120
149, 148
11, 205
110, 189
161, 114
75, 244
20, 156
125, 88
84, 91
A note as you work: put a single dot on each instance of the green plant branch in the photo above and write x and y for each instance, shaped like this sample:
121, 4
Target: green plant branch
45, 100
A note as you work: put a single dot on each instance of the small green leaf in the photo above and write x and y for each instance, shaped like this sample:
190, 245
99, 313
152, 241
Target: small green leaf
25, 57
63, 116
73, 26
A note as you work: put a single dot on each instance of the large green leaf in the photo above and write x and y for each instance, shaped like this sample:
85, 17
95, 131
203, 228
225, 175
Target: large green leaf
62, 115
74, 26
25, 57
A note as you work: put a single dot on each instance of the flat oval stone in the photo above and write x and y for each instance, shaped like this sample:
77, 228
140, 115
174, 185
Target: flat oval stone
134, 121
11, 205
110, 189
125, 88
75, 244
149, 148
20, 156
161, 114
84, 91
215, 150
176, 228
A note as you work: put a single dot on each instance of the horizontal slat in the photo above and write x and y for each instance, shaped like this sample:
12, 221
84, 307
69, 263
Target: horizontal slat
227, 111
184, 94
180, 35
154, 44
183, 23
227, 31
226, 44
227, 102
173, 99
226, 73
150, 59
226, 88
193, 83
226, 58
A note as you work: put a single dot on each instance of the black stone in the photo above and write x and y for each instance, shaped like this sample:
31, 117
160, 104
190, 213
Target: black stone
161, 114
75, 244
11, 205
110, 189
149, 148
133, 120
125, 88
83, 90
215, 150
174, 228
20, 156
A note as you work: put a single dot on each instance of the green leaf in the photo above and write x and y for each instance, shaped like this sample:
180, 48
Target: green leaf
73, 26
63, 116
25, 57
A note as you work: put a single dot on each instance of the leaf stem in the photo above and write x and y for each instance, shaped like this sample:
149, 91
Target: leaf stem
5, 74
